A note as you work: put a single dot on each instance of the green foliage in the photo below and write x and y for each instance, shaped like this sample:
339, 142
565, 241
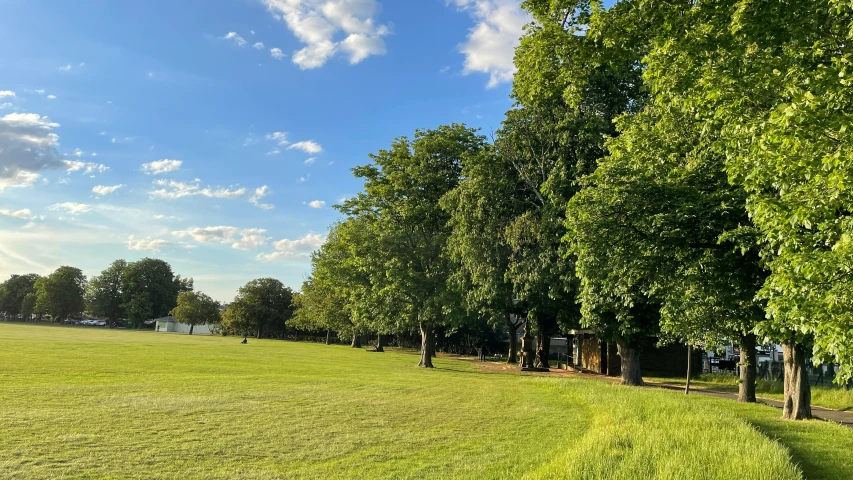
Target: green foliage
60, 294
105, 292
262, 307
14, 290
149, 289
196, 308
406, 264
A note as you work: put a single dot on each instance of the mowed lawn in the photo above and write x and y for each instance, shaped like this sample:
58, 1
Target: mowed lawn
98, 403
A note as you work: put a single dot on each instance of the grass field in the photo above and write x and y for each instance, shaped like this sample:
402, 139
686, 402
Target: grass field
829, 396
95, 403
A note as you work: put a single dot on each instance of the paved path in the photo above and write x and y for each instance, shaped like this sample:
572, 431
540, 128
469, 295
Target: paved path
837, 416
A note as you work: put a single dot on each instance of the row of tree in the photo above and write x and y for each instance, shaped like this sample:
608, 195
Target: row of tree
143, 290
674, 169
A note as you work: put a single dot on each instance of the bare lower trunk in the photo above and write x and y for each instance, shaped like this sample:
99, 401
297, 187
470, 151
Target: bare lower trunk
798, 394
543, 351
427, 346
380, 343
689, 356
356, 341
191, 329
748, 373
512, 357
328, 337
630, 356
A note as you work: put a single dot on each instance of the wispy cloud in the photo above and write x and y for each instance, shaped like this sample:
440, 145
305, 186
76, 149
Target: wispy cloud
161, 166
277, 54
260, 193
85, 167
24, 213
234, 37
71, 207
299, 248
146, 244
317, 204
171, 190
240, 239
105, 190
307, 146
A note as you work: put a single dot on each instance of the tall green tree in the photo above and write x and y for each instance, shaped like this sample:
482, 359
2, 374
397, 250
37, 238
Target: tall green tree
196, 308
60, 294
14, 290
408, 266
481, 208
105, 292
150, 289
262, 306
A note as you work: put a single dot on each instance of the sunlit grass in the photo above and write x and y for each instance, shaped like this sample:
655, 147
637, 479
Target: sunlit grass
829, 396
95, 403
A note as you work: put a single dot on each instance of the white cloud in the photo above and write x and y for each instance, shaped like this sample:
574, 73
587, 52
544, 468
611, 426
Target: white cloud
274, 151
27, 146
6, 105
275, 53
308, 146
301, 179
85, 167
65, 68
161, 166
491, 43
51, 97
280, 137
317, 204
240, 41
24, 214
146, 244
40, 91
260, 193
77, 153
310, 161
121, 140
6, 93
299, 248
245, 239
63, 181
71, 207
171, 190
104, 190
165, 217
93, 154
258, 45
319, 25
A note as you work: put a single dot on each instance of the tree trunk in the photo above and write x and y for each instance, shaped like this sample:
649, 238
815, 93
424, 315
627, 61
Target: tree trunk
748, 372
630, 356
798, 393
356, 341
427, 346
379, 343
543, 350
689, 357
328, 337
191, 329
513, 341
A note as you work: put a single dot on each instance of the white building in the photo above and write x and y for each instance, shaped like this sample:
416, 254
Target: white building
170, 325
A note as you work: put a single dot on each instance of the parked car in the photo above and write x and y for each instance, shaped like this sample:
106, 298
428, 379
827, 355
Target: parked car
69, 321
100, 323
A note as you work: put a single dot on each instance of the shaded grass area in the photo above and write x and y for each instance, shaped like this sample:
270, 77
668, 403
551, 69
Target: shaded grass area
86, 403
829, 396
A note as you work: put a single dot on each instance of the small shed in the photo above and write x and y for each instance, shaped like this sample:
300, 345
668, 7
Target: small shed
170, 325
592, 354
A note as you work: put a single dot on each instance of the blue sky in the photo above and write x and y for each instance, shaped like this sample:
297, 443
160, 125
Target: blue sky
217, 135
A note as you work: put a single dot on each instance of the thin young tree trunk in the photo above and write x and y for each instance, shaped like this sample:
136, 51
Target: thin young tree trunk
748, 371
380, 343
689, 357
356, 341
328, 337
630, 356
543, 350
798, 394
191, 329
427, 346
